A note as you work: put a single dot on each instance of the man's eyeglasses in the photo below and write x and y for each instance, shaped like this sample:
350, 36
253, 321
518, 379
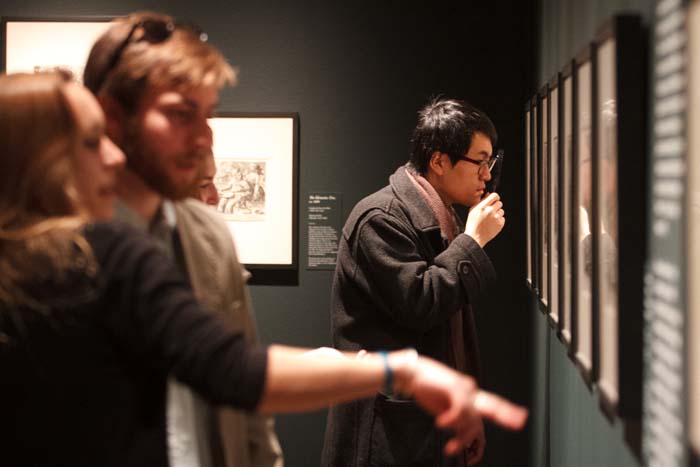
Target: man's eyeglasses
153, 31
485, 165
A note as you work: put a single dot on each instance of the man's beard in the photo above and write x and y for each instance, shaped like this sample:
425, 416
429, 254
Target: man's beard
143, 161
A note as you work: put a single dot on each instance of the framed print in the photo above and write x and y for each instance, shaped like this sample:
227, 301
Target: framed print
33, 45
535, 172
566, 111
620, 196
257, 179
553, 206
528, 200
607, 228
543, 147
693, 133
582, 323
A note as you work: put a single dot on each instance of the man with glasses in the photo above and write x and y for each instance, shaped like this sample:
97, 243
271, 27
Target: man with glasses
158, 82
407, 275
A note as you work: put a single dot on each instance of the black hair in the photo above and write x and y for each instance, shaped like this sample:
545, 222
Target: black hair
447, 126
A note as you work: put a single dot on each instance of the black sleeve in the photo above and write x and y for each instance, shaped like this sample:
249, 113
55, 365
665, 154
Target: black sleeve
152, 312
416, 293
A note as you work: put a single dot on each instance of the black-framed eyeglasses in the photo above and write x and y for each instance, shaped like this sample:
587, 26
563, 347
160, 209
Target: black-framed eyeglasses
153, 31
484, 165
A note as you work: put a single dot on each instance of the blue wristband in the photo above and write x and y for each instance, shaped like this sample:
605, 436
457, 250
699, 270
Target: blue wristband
388, 373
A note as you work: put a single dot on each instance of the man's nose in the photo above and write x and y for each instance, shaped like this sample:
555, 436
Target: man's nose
112, 155
214, 196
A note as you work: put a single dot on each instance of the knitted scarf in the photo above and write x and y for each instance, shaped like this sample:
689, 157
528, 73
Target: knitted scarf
447, 219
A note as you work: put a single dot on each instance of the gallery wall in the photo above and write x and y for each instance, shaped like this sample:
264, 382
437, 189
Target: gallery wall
356, 73
568, 427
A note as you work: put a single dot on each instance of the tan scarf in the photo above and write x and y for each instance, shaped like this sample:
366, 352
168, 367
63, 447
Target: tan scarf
449, 228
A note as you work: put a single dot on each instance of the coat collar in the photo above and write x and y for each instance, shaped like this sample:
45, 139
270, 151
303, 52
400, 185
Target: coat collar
165, 215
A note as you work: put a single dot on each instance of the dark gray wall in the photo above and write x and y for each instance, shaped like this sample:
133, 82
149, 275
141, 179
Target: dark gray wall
357, 72
579, 434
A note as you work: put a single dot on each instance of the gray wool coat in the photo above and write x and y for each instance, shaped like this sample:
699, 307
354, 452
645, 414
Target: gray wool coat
396, 284
237, 438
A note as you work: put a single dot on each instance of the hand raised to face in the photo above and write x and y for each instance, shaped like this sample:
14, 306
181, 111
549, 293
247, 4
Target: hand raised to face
486, 219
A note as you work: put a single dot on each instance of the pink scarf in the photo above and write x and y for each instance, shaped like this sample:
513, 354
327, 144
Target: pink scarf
449, 228
444, 214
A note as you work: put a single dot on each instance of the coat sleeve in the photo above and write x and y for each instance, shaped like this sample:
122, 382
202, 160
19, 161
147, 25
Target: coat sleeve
219, 280
412, 289
256, 432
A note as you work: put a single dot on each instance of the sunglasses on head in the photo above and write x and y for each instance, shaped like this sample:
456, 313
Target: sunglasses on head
153, 31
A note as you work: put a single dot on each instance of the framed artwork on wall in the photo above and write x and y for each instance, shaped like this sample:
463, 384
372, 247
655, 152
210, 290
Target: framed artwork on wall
566, 221
543, 147
528, 200
535, 187
583, 206
32, 44
607, 228
553, 207
620, 197
257, 163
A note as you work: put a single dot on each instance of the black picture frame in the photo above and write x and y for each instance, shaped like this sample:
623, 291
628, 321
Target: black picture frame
554, 201
566, 214
535, 187
252, 135
584, 325
529, 282
529, 252
542, 228
622, 207
543, 195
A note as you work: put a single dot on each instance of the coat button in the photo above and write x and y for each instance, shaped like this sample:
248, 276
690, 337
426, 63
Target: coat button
464, 268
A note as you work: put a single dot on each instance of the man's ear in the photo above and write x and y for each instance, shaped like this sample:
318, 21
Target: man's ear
115, 118
437, 162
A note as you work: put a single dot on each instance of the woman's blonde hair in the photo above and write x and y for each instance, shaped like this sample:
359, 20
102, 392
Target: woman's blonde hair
40, 220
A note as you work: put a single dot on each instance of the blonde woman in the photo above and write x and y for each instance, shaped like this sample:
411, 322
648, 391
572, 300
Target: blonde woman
93, 318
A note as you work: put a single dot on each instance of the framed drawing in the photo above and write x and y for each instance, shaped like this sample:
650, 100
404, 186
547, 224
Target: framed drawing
693, 132
32, 44
607, 228
566, 221
583, 247
535, 187
543, 147
620, 196
553, 207
257, 179
528, 201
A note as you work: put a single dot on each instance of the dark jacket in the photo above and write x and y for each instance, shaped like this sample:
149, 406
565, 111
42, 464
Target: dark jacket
83, 383
396, 284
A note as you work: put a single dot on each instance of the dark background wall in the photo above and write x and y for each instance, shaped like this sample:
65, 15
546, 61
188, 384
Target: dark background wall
357, 72
568, 428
